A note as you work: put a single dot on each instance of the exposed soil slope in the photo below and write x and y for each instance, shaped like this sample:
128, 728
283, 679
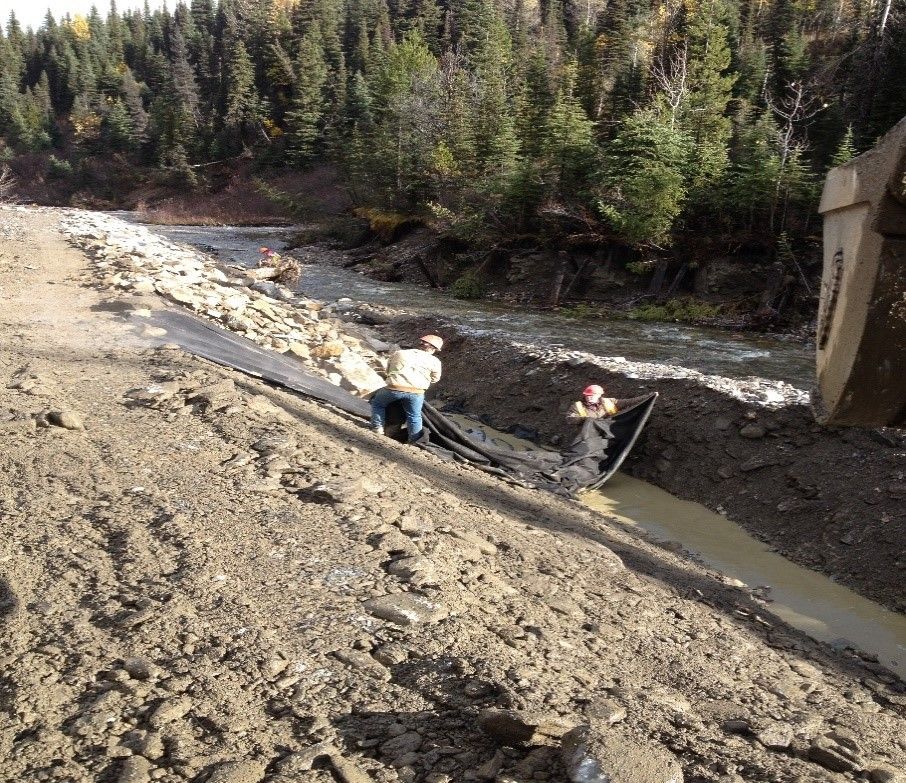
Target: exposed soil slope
216, 581
831, 499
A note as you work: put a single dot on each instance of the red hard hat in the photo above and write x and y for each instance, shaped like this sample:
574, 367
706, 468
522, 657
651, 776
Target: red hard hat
592, 391
264, 250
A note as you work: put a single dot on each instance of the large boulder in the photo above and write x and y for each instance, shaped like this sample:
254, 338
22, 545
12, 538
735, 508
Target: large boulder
357, 375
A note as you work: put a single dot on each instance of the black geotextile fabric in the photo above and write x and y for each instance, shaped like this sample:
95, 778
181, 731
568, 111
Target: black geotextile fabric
594, 456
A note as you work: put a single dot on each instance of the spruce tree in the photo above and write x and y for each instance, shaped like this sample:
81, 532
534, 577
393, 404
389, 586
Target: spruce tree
569, 143
535, 101
304, 120
117, 129
753, 176
496, 143
138, 117
406, 93
703, 116
846, 150
242, 107
644, 174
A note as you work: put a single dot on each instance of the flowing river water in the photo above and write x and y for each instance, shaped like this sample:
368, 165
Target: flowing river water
710, 351
805, 599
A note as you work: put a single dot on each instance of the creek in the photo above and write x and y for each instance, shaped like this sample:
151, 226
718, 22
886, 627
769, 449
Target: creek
804, 599
710, 351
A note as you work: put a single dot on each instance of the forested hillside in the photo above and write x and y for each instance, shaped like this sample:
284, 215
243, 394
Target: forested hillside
687, 124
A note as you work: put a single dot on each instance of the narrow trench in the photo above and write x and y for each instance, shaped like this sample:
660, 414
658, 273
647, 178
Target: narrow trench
805, 599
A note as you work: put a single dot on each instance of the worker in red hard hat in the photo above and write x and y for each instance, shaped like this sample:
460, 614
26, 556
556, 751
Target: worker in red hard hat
409, 374
594, 405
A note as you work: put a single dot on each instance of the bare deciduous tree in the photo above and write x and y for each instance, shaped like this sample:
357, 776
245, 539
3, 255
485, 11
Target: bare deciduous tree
670, 75
793, 111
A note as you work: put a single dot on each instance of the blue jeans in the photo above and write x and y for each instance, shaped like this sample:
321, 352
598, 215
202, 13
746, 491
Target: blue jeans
412, 405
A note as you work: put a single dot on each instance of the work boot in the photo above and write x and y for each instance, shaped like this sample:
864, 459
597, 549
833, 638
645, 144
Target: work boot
377, 429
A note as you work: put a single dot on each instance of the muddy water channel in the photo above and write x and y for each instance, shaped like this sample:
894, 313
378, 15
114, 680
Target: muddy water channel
805, 599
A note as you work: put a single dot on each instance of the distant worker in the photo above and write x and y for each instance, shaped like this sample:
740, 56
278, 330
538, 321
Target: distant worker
409, 374
594, 405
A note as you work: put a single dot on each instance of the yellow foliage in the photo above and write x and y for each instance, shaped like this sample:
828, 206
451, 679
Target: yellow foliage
79, 28
384, 224
271, 128
86, 126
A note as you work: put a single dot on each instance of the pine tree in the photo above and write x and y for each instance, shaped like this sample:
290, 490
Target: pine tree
496, 143
406, 95
115, 43
356, 135
535, 101
750, 61
117, 128
138, 117
184, 88
456, 112
644, 172
304, 120
569, 144
242, 107
846, 150
703, 117
753, 176
280, 77
615, 82
787, 45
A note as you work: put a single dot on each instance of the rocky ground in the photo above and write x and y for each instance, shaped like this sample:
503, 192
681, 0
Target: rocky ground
206, 579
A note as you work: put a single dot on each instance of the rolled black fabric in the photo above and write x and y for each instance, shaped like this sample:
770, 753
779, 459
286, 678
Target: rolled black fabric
593, 457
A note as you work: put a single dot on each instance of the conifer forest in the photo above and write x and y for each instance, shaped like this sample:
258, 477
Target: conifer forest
664, 126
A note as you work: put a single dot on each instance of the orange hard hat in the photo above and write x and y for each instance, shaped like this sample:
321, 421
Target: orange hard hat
592, 391
434, 341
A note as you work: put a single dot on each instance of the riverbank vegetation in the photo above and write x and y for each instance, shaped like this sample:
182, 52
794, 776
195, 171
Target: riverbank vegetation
678, 131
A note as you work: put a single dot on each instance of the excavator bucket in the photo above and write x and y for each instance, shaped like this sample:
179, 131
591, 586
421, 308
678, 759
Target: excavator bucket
861, 336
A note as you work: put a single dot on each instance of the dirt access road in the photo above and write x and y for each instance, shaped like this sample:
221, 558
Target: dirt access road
240, 586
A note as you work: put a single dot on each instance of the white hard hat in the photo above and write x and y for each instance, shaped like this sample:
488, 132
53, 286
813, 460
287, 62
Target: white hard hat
434, 341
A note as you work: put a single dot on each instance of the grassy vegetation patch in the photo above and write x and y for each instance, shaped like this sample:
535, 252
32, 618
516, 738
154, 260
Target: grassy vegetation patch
682, 310
386, 225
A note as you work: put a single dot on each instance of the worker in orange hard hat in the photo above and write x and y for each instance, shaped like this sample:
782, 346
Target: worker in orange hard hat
594, 405
409, 374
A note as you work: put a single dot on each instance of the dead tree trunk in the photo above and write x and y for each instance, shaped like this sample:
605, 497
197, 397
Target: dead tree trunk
677, 280
559, 274
657, 280
772, 289
430, 275
581, 272
700, 283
